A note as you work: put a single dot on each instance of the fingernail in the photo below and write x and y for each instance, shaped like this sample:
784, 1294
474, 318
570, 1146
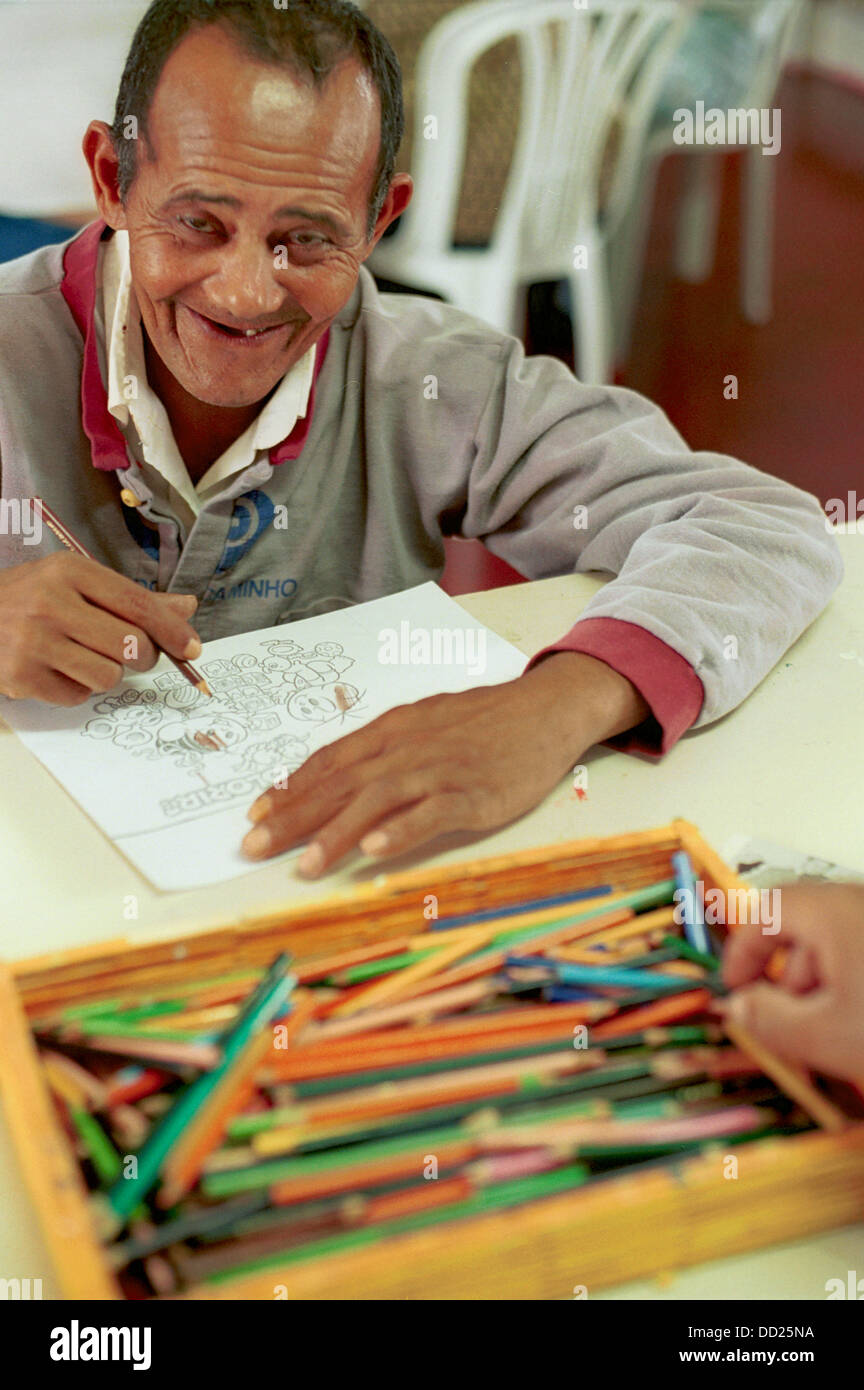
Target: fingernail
376, 843
257, 842
193, 649
259, 809
311, 861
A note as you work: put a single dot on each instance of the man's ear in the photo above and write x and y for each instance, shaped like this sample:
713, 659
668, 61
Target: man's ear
399, 195
101, 157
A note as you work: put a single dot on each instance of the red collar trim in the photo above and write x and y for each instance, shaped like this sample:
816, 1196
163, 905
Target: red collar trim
107, 445
292, 447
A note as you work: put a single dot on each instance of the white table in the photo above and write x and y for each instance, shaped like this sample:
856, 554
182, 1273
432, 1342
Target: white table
787, 766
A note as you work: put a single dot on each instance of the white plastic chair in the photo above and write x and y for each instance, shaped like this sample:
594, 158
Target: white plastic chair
773, 25
583, 70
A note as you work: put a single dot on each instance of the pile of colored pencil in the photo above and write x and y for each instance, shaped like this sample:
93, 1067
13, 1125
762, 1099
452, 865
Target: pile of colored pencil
256, 1119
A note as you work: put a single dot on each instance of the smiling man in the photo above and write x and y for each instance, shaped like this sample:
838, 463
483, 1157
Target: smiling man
208, 388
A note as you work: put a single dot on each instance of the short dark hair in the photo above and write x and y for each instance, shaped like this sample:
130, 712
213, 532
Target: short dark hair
310, 37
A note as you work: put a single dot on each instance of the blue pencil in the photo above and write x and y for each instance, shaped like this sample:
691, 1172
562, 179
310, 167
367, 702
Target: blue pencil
687, 895
490, 914
606, 976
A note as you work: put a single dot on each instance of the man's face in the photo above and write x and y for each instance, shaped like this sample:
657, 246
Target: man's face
251, 215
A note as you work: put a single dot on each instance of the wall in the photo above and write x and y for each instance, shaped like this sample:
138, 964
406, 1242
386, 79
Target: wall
60, 65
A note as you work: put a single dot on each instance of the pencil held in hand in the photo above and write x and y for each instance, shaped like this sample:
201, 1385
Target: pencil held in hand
63, 534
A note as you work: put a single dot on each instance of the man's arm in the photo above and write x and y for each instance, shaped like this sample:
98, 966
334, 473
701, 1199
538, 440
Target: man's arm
557, 477
719, 567
470, 762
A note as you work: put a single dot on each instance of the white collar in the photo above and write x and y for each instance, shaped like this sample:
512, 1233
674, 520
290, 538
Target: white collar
127, 375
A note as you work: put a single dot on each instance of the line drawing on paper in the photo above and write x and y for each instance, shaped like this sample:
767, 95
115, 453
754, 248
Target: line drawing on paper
266, 706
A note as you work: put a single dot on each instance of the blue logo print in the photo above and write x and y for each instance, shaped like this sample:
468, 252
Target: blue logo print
253, 513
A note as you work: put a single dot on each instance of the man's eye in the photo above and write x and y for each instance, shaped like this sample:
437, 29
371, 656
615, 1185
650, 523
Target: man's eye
197, 224
306, 239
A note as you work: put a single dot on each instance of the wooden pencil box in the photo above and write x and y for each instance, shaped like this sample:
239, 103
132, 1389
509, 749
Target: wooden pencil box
629, 1227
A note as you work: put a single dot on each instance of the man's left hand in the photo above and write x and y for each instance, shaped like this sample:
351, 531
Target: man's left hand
467, 762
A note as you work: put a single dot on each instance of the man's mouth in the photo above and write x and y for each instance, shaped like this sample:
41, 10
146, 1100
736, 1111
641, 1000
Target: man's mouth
250, 336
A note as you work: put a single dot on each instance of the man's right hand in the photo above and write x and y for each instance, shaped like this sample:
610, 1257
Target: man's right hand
69, 627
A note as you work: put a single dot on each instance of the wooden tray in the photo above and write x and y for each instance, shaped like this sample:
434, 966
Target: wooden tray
625, 1228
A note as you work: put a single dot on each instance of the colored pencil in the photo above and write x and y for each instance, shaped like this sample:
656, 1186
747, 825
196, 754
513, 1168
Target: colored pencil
236, 1085
620, 977
472, 1041
494, 914
402, 983
793, 1080
690, 902
501, 1196
264, 1004
63, 534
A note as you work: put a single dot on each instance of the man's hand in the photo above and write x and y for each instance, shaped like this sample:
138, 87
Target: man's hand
815, 1012
69, 627
468, 762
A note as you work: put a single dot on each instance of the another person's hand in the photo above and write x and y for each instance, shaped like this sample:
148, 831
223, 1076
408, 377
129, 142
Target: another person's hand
814, 1012
69, 627
467, 762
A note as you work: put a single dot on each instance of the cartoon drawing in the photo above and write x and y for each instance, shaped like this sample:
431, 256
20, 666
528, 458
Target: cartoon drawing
169, 774
255, 729
325, 704
324, 663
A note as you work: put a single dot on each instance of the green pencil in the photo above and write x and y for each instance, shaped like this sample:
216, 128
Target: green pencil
264, 1004
385, 965
106, 1161
685, 951
502, 1195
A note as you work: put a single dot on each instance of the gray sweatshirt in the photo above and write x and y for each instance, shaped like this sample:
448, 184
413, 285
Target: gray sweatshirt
424, 423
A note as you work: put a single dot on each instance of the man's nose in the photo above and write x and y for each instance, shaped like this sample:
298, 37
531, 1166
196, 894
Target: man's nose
245, 284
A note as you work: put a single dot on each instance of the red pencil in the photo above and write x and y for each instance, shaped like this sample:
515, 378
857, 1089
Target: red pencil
65, 535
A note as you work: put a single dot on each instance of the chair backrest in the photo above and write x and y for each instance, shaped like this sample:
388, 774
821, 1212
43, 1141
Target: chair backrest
587, 74
773, 24
493, 95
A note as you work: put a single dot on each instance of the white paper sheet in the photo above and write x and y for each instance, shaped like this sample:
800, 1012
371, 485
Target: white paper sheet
169, 774
767, 865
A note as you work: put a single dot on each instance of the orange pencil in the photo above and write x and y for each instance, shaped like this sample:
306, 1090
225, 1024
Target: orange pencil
206, 1129
400, 983
306, 1065
493, 960
374, 1171
653, 1015
424, 1093
412, 1200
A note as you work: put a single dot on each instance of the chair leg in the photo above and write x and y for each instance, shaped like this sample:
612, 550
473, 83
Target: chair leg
492, 296
626, 253
757, 234
696, 237
592, 320
519, 311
